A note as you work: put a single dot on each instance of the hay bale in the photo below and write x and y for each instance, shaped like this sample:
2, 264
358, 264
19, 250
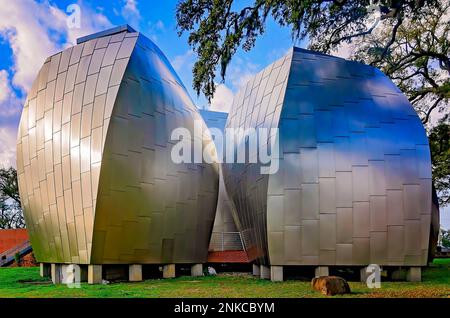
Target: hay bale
330, 285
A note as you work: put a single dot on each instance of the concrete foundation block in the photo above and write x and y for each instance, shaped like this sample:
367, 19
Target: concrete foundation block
414, 274
256, 271
276, 273
364, 274
135, 273
94, 274
197, 270
371, 275
45, 270
73, 273
264, 272
322, 271
56, 274
169, 271
84, 273
398, 275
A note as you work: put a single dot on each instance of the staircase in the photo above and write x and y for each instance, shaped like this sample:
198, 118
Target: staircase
7, 257
227, 247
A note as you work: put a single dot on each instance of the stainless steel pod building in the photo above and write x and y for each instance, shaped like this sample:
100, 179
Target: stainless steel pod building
99, 186
354, 179
96, 178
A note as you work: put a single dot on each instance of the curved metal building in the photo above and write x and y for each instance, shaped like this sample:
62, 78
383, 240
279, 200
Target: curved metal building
354, 179
96, 178
98, 184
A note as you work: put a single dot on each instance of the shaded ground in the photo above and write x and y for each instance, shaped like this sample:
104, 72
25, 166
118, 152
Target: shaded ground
26, 282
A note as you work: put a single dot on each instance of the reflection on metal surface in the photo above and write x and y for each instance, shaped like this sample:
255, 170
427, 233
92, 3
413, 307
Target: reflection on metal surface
98, 185
354, 184
96, 179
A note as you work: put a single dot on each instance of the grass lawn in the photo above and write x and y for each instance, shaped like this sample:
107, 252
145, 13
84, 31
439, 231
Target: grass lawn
26, 282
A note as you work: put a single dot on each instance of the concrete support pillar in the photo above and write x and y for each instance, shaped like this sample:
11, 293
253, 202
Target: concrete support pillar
169, 271
363, 275
197, 270
264, 272
322, 271
56, 273
398, 275
71, 273
94, 274
414, 274
366, 271
276, 273
84, 273
256, 271
45, 270
135, 273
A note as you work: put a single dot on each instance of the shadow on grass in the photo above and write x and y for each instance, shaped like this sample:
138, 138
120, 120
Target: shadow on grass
35, 282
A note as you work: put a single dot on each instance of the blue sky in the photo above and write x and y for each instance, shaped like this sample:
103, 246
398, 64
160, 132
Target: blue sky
31, 30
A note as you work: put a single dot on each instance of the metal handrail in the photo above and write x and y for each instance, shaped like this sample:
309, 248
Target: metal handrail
226, 241
8, 254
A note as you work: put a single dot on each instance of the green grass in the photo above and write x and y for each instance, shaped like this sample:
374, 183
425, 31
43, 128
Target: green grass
15, 282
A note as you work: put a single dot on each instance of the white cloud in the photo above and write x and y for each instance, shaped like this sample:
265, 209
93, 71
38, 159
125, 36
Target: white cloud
239, 72
5, 89
183, 60
10, 104
154, 29
24, 25
345, 50
91, 21
34, 30
131, 13
8, 146
222, 100
131, 7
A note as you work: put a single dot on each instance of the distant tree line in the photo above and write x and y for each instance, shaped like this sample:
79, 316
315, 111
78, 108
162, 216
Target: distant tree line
11, 216
445, 238
439, 137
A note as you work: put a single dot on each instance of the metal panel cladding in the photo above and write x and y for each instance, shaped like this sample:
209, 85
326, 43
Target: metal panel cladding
96, 178
354, 179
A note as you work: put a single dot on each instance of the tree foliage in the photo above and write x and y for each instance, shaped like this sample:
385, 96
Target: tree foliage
445, 238
417, 60
11, 215
439, 139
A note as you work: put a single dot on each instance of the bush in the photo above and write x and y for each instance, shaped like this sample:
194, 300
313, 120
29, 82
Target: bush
18, 259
